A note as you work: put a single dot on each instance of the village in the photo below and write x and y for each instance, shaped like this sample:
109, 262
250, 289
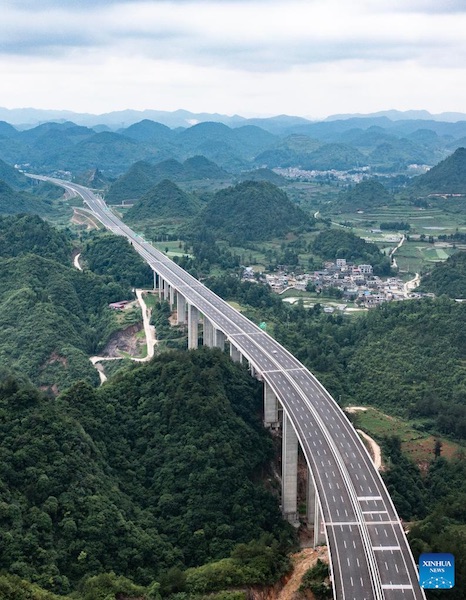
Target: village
345, 282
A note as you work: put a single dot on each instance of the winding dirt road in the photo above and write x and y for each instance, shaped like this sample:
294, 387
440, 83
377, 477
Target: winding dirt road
151, 341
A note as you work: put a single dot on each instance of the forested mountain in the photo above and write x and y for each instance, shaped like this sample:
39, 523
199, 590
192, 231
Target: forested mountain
155, 471
23, 234
367, 195
334, 156
263, 175
13, 202
252, 210
292, 150
448, 177
52, 317
149, 131
339, 243
13, 177
113, 256
236, 144
165, 200
142, 176
448, 278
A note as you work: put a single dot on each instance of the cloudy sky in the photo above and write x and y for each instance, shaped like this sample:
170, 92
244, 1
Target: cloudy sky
259, 57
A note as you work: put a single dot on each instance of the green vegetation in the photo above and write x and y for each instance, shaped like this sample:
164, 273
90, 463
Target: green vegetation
335, 156
367, 195
13, 202
168, 336
251, 211
447, 278
339, 243
24, 234
448, 177
52, 317
316, 579
143, 176
13, 587
416, 443
155, 470
112, 255
165, 200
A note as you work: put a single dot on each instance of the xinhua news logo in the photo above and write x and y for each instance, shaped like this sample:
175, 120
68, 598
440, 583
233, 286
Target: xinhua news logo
437, 571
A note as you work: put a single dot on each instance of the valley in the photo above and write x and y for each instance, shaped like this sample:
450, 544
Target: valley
238, 228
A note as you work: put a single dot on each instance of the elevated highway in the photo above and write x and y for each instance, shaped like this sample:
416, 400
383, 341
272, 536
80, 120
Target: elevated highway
347, 500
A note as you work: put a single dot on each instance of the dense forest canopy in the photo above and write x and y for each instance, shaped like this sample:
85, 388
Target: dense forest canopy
447, 278
113, 255
448, 177
252, 210
165, 200
52, 317
367, 195
155, 470
14, 202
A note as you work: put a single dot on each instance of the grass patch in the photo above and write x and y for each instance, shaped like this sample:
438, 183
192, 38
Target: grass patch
418, 445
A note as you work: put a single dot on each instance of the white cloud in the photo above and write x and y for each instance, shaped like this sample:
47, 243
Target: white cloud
259, 56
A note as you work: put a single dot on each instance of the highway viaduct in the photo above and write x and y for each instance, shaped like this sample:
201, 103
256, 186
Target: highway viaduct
347, 500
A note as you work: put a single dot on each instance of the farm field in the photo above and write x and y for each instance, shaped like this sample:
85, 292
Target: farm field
419, 446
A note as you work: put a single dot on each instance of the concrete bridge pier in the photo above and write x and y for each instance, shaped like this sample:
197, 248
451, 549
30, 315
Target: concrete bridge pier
219, 339
160, 284
235, 354
193, 325
165, 289
208, 333
313, 512
270, 407
180, 309
171, 295
289, 472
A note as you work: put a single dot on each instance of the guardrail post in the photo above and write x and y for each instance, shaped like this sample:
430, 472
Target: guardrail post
289, 471
270, 407
193, 323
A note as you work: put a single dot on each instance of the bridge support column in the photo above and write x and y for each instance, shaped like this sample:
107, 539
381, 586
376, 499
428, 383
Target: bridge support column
319, 532
208, 333
235, 354
289, 471
270, 407
171, 293
313, 512
160, 287
155, 280
193, 323
219, 339
180, 308
310, 501
165, 289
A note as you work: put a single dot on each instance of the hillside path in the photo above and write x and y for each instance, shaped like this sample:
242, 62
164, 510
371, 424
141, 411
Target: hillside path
151, 340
